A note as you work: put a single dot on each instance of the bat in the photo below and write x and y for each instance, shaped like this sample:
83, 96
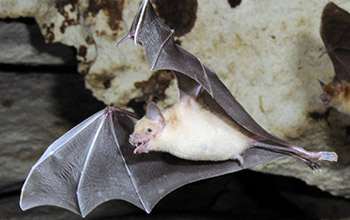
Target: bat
191, 130
95, 161
180, 130
335, 33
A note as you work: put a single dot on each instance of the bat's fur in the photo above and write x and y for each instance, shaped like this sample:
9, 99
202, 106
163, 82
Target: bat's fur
337, 94
190, 131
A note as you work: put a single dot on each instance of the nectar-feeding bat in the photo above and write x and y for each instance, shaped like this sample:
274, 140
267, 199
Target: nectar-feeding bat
94, 162
190, 131
335, 33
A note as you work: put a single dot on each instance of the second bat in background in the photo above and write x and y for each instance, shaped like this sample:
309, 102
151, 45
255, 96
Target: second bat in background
335, 33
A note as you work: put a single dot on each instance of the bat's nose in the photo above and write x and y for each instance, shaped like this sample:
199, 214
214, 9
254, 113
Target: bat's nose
131, 140
325, 99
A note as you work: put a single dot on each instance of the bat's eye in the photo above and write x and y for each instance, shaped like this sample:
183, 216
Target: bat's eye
149, 130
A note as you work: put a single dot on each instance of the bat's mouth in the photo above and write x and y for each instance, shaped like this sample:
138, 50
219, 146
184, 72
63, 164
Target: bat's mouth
141, 144
141, 147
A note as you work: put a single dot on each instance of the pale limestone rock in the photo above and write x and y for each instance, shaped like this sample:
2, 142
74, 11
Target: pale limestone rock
22, 43
94, 31
266, 52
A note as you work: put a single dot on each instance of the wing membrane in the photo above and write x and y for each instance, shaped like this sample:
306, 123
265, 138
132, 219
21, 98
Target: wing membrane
81, 169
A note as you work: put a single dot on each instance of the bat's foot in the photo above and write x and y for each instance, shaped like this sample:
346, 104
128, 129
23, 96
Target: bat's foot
321, 155
329, 156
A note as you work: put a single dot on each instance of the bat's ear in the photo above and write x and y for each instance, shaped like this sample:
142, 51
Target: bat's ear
338, 85
322, 84
153, 113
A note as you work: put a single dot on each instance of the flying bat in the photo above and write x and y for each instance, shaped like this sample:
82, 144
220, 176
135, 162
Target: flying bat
96, 161
335, 33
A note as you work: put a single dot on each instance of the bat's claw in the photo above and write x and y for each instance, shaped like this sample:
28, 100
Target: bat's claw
315, 167
318, 170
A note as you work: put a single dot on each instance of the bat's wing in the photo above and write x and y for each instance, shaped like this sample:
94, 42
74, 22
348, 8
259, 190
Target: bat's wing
83, 168
94, 163
163, 53
335, 33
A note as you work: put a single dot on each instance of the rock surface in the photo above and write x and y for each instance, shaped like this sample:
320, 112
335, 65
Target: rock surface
33, 111
22, 43
266, 52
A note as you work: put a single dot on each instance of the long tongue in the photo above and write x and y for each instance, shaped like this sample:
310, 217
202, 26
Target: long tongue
139, 149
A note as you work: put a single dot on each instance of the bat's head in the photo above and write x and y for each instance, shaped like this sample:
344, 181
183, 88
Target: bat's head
332, 92
147, 129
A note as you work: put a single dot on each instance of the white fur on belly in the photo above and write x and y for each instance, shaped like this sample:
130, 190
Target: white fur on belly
201, 135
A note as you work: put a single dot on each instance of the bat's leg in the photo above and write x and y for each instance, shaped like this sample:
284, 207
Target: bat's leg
286, 151
321, 155
312, 165
239, 158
